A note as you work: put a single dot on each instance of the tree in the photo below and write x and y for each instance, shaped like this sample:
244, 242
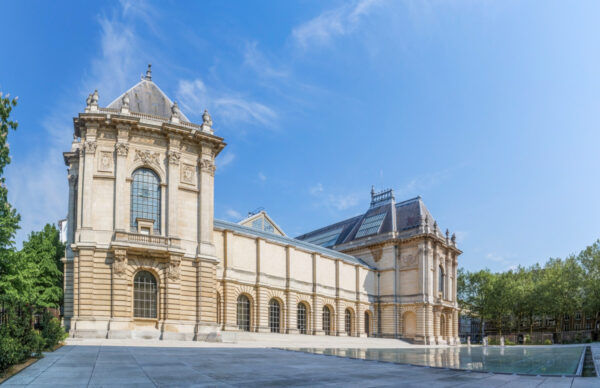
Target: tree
11, 281
40, 258
589, 259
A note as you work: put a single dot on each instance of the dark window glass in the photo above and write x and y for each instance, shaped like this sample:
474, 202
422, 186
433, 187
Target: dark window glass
274, 313
144, 295
218, 308
301, 319
243, 313
348, 322
367, 323
145, 198
326, 320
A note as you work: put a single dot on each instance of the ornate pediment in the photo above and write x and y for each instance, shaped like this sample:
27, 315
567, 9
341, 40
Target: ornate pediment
147, 157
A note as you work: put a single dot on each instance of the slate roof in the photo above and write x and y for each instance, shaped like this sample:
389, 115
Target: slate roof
248, 231
146, 97
405, 217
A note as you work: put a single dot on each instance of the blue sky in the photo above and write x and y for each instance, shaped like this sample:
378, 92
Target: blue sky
488, 110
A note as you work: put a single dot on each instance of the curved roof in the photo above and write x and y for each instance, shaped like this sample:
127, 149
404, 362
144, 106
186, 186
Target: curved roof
146, 97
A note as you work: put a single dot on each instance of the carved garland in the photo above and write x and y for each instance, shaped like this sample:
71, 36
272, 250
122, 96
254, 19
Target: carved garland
90, 147
174, 157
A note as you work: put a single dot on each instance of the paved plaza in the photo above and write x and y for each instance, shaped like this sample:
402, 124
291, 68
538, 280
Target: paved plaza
144, 364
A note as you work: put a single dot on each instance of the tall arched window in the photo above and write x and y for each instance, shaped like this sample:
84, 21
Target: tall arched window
145, 198
348, 321
218, 308
243, 313
441, 280
367, 323
274, 314
144, 295
301, 318
327, 320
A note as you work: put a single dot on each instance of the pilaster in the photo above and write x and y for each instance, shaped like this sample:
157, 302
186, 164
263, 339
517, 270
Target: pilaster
173, 156
121, 192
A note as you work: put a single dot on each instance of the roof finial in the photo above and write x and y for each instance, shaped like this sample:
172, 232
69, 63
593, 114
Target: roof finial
207, 121
149, 72
372, 191
175, 113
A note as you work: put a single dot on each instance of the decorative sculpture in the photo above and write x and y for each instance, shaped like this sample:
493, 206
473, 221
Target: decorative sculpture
206, 119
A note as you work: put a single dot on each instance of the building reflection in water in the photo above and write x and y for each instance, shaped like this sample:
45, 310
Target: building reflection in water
512, 359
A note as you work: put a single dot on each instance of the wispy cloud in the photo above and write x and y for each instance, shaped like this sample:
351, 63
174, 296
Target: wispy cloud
417, 185
262, 177
334, 200
38, 184
227, 158
233, 214
231, 107
332, 23
257, 61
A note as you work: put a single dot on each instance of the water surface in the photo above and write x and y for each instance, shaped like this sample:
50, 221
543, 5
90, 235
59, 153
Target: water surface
535, 360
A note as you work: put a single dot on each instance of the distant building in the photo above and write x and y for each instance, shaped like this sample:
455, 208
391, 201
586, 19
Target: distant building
146, 259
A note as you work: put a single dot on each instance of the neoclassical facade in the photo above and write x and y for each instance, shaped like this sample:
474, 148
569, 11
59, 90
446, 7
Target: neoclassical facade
145, 257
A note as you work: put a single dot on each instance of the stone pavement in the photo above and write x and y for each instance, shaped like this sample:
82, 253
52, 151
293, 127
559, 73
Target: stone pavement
104, 365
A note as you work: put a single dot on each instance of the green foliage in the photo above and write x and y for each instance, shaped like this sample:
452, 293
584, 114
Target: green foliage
547, 342
41, 267
51, 330
559, 288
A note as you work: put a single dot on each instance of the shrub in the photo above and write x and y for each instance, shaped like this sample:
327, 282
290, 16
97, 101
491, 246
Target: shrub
508, 342
51, 330
11, 351
527, 339
547, 342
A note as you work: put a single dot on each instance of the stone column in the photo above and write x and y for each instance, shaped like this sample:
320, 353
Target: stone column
173, 155
206, 202
88, 178
436, 269
121, 197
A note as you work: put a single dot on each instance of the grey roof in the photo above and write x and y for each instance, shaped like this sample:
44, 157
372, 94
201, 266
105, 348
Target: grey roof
245, 230
146, 97
409, 217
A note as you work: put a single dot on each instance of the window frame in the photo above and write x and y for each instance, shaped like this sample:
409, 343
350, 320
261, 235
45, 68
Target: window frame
147, 307
145, 208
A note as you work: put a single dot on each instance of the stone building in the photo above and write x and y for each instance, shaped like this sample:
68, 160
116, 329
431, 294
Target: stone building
146, 259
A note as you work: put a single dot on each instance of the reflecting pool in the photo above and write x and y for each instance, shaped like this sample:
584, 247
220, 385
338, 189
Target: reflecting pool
538, 360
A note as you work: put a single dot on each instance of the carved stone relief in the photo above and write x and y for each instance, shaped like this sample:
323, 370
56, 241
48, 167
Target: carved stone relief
120, 262
188, 172
90, 147
174, 269
147, 157
174, 157
408, 261
105, 162
208, 165
122, 149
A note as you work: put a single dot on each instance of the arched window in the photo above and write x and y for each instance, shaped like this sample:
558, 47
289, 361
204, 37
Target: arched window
243, 313
145, 199
348, 321
218, 308
274, 314
144, 295
327, 320
301, 318
367, 323
441, 280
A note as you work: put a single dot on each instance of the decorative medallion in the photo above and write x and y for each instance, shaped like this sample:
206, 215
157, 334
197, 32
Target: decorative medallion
147, 157
187, 174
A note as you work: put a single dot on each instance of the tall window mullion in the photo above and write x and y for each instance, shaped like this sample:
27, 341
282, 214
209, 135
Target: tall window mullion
144, 295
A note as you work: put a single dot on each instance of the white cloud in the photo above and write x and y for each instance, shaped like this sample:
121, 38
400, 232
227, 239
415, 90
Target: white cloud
332, 23
264, 67
231, 107
335, 201
232, 214
262, 177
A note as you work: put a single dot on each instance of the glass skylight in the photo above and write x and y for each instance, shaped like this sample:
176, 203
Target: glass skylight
370, 225
325, 239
